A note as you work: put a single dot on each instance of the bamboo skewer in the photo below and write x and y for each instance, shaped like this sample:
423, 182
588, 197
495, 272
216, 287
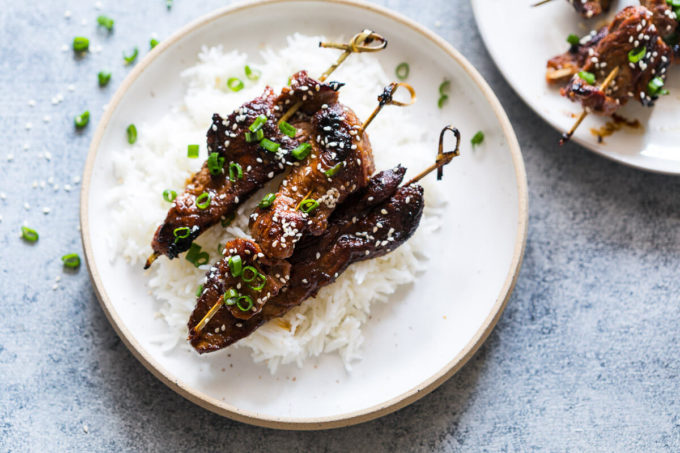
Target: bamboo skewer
610, 78
386, 98
542, 2
443, 158
361, 42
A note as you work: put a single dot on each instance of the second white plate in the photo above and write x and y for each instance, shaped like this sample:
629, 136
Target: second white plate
521, 39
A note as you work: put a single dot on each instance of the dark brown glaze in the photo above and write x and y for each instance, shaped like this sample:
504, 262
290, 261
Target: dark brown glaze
387, 219
590, 8
561, 68
219, 280
631, 30
226, 137
664, 18
335, 141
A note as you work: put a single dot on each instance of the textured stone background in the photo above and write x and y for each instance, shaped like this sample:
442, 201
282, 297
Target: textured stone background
585, 357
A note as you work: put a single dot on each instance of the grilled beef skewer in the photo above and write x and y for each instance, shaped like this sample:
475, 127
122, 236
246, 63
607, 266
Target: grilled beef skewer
242, 164
633, 44
219, 197
285, 221
340, 162
370, 223
317, 263
630, 54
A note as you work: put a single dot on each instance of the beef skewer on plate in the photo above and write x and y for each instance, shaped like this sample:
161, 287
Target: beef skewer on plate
247, 149
371, 223
291, 208
340, 161
629, 54
586, 8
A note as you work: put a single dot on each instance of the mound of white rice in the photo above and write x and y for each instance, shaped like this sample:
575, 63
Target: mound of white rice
158, 161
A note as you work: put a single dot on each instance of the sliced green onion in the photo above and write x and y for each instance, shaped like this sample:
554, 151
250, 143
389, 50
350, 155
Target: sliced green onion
215, 163
251, 277
153, 42
131, 134
638, 54
230, 296
169, 195
442, 99
81, 44
29, 234
103, 78
81, 120
261, 285
203, 201
334, 169
287, 129
655, 87
192, 151
308, 205
225, 221
269, 145
258, 123
129, 59
573, 39
402, 71
589, 77
252, 74
196, 257
71, 260
181, 233
301, 151
248, 300
235, 84
199, 290
254, 136
290, 79
220, 248
235, 265
105, 22
444, 86
267, 200
235, 171
478, 138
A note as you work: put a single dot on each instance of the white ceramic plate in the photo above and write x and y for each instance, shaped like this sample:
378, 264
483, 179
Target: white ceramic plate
521, 39
407, 352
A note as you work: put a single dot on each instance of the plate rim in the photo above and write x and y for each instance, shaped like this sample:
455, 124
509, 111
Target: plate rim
344, 419
584, 143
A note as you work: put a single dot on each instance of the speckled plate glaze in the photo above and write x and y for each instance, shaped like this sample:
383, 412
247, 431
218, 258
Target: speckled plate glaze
408, 351
521, 39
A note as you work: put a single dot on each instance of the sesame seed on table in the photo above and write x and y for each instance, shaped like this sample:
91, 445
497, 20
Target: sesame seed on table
584, 357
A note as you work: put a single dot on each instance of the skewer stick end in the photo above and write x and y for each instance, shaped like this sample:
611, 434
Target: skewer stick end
151, 259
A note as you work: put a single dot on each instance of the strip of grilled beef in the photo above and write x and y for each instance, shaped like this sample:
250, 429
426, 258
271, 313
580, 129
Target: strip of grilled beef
220, 278
226, 137
631, 31
590, 8
664, 18
341, 162
369, 224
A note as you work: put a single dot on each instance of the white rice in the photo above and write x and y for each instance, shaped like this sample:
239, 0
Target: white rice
333, 320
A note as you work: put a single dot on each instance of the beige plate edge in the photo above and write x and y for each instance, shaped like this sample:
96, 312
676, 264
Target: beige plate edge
350, 418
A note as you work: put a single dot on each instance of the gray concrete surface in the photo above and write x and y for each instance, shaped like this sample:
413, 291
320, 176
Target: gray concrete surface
585, 357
